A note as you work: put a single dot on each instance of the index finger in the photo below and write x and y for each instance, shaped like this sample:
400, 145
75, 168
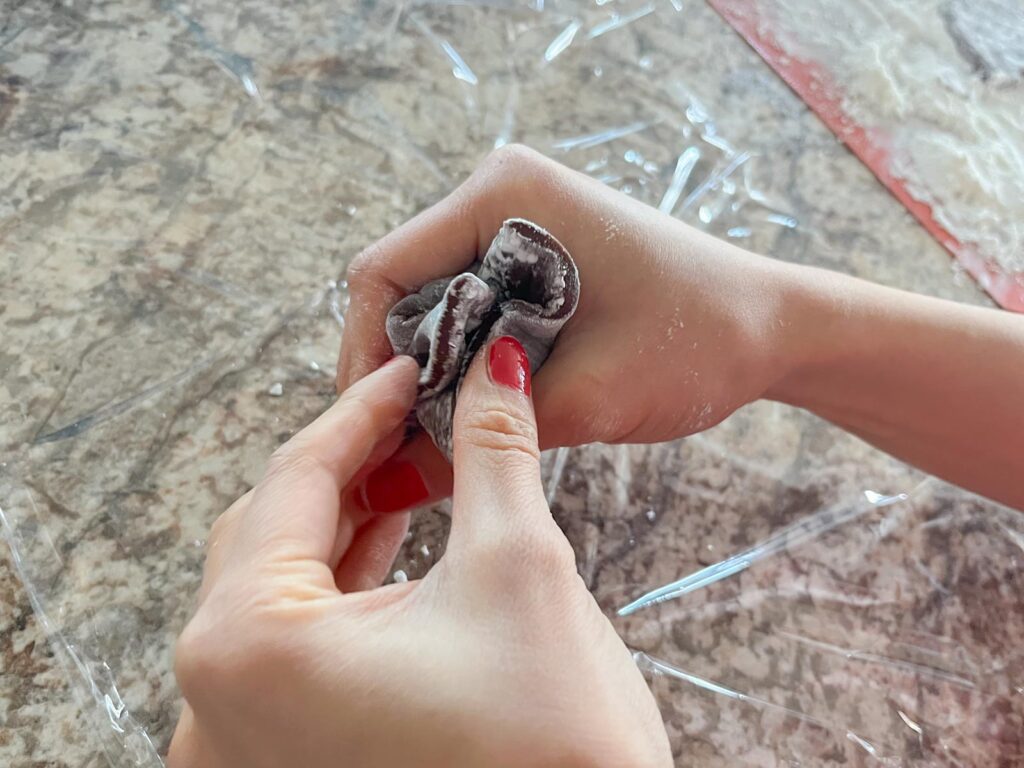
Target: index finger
293, 514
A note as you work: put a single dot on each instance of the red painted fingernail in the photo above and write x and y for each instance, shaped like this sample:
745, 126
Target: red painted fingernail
394, 486
508, 364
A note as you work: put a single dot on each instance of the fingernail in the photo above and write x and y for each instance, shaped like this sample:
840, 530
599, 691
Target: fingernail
508, 365
394, 486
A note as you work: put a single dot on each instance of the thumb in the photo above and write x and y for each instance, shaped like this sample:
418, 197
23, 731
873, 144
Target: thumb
497, 495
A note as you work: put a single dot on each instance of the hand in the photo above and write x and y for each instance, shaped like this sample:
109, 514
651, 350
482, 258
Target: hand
674, 329
498, 657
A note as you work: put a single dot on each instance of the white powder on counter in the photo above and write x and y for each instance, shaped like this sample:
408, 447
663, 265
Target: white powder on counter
943, 78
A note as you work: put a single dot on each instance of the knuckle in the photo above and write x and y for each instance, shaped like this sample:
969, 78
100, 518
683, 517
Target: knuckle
550, 556
220, 526
291, 459
223, 649
361, 413
543, 560
513, 169
196, 657
364, 416
363, 268
500, 431
514, 155
495, 554
226, 521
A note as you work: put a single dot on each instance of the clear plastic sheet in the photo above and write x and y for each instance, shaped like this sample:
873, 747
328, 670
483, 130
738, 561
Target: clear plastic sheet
938, 98
182, 186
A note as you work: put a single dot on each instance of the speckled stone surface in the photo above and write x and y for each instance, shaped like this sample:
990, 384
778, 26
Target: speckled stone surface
179, 184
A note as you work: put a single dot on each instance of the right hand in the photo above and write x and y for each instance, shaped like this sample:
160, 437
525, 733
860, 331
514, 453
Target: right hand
498, 657
674, 331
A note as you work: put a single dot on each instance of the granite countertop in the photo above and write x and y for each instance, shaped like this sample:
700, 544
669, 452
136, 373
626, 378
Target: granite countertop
181, 188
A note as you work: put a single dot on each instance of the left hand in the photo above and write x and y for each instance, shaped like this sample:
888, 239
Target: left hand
689, 330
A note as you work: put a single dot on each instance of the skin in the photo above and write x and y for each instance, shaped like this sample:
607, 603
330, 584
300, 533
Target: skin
675, 330
500, 656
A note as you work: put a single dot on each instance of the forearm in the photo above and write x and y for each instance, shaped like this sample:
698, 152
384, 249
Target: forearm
936, 383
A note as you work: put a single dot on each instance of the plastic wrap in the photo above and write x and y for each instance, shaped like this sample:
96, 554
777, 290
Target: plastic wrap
938, 98
183, 186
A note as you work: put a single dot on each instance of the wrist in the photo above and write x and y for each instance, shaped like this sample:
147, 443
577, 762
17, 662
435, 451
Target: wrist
811, 309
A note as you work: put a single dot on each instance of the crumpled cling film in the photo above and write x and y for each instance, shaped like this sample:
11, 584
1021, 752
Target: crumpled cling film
37, 563
808, 600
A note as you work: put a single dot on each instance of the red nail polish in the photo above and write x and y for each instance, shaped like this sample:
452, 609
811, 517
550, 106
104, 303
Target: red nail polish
394, 486
508, 364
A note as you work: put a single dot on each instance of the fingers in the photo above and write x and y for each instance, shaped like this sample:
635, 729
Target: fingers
221, 534
372, 553
440, 241
497, 492
353, 516
416, 475
293, 513
572, 406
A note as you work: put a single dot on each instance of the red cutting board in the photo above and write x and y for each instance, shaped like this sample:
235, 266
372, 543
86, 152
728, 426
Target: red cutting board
817, 88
